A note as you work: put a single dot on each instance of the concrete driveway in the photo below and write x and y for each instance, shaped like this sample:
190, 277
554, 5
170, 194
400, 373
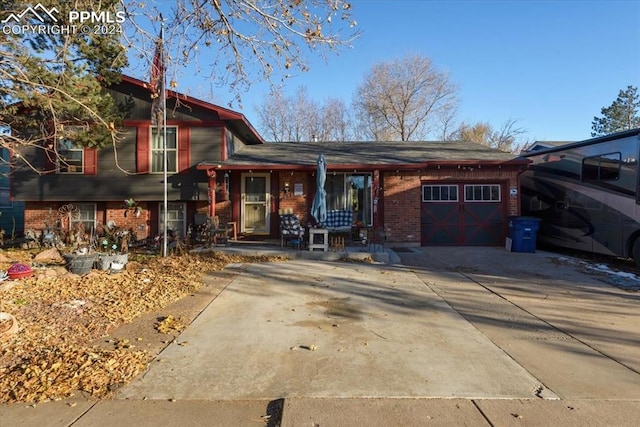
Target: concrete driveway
307, 328
455, 336
561, 321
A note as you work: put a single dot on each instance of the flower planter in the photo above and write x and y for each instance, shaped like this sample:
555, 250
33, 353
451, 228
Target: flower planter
105, 261
19, 271
79, 264
21, 275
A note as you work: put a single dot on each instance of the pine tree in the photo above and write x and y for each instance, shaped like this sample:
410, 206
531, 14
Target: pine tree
623, 114
52, 82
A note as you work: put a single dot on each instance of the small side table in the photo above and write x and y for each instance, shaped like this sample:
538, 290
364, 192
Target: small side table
324, 232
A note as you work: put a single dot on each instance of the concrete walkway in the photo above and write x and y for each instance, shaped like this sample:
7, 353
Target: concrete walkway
456, 336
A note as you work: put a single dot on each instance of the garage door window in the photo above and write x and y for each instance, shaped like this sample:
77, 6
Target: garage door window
439, 193
482, 193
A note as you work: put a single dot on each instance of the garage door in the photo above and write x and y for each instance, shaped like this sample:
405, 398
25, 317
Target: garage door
463, 214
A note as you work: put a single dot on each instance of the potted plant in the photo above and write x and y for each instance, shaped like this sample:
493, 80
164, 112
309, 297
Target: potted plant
80, 261
131, 206
113, 247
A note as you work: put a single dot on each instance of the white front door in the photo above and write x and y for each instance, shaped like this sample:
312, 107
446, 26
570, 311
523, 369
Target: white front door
256, 207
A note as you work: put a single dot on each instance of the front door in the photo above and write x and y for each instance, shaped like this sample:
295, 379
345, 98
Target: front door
255, 203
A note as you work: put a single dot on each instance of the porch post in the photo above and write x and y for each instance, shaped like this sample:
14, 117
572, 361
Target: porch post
377, 220
211, 190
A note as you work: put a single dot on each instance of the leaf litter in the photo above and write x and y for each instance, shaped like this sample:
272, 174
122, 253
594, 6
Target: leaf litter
61, 315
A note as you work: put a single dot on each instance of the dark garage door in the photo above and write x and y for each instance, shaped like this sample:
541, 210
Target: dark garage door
462, 214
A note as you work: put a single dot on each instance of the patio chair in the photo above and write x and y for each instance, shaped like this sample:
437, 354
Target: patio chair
291, 230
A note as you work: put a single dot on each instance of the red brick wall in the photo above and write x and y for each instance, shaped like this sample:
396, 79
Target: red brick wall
402, 196
299, 205
36, 213
223, 210
115, 212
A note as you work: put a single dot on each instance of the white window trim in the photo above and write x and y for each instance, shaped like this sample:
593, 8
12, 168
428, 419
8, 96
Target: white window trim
457, 199
483, 201
61, 163
183, 231
95, 212
152, 150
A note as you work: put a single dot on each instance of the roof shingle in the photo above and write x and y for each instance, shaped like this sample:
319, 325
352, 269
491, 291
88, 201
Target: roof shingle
362, 154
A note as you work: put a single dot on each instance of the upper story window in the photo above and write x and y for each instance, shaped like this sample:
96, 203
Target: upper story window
157, 150
70, 157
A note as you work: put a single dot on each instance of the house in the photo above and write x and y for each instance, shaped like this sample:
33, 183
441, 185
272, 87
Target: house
94, 184
419, 193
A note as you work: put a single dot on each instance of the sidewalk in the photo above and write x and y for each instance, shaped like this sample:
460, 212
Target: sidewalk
466, 336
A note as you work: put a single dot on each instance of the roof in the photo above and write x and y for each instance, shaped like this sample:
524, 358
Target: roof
541, 145
346, 155
236, 121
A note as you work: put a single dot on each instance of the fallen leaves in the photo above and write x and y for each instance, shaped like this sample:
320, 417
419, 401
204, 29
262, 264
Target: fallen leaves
169, 325
61, 314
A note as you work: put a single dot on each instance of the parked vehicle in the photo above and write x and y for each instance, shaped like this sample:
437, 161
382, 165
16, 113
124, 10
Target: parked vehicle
586, 194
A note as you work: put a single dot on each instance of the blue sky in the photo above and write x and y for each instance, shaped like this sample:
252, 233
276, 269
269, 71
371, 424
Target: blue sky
551, 65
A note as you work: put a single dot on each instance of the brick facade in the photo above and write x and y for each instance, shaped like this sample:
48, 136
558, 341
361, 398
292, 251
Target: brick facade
37, 215
289, 202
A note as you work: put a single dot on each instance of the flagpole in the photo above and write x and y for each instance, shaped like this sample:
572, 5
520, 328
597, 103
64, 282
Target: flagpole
164, 142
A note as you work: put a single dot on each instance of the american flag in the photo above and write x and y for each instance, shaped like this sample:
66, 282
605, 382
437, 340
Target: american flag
157, 81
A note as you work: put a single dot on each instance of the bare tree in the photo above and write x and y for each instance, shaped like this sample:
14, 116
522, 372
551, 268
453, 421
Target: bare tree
298, 118
290, 119
401, 100
336, 122
504, 138
235, 43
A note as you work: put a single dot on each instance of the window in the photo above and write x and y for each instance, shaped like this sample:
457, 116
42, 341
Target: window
605, 167
482, 193
350, 192
86, 216
439, 193
71, 157
157, 148
176, 215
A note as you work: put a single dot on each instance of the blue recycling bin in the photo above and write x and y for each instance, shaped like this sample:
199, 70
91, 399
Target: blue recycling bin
523, 232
